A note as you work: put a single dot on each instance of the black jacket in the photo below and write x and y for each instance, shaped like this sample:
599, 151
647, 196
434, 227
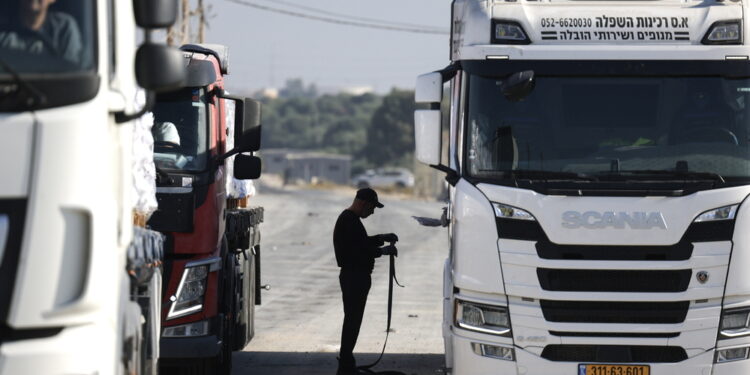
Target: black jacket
355, 250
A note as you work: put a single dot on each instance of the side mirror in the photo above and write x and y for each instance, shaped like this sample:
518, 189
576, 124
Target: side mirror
518, 86
246, 167
155, 14
427, 122
159, 68
247, 118
247, 125
427, 135
429, 88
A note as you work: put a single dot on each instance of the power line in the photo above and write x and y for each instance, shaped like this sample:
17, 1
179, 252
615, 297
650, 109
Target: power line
355, 18
416, 30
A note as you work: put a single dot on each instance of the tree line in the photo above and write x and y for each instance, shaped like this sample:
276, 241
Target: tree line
376, 130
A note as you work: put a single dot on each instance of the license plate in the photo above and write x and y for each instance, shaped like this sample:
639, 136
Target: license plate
614, 370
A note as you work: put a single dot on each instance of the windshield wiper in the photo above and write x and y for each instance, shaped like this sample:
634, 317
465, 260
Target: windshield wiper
533, 174
36, 98
682, 175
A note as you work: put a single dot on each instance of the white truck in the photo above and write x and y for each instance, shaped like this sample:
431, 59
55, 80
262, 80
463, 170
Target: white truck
77, 292
599, 157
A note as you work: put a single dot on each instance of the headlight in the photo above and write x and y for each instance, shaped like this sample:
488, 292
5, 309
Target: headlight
192, 287
717, 214
735, 323
482, 318
724, 32
509, 212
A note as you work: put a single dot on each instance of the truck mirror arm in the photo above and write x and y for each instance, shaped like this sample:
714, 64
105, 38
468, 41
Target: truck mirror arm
122, 117
220, 159
451, 176
450, 71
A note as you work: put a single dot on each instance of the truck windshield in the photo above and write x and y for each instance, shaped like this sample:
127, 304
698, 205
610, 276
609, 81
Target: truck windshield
180, 130
598, 122
47, 36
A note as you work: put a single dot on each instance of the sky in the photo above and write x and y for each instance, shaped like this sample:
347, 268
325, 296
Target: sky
267, 48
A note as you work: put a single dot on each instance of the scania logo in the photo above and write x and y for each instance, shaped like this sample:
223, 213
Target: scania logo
614, 220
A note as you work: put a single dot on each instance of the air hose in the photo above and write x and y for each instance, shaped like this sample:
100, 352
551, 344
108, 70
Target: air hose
391, 279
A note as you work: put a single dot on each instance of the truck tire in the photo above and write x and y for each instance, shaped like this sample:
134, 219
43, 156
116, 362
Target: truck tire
223, 362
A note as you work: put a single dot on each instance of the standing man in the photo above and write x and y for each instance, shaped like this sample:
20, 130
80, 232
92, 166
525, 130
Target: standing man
355, 254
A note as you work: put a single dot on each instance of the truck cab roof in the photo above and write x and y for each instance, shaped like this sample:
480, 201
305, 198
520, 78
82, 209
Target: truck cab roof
220, 52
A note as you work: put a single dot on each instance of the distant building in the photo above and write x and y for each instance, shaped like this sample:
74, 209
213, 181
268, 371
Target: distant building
307, 166
267, 93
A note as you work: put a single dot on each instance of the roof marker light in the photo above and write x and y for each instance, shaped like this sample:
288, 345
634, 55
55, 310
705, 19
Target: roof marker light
724, 32
508, 32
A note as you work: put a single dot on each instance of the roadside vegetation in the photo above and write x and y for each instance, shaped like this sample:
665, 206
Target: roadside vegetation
376, 130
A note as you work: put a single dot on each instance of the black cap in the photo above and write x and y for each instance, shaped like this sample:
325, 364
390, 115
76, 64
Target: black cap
369, 195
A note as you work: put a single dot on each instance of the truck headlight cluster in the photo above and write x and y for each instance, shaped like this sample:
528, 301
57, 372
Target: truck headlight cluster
189, 297
192, 288
504, 211
735, 323
493, 320
718, 214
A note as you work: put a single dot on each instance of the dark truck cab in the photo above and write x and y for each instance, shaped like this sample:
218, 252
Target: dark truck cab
212, 249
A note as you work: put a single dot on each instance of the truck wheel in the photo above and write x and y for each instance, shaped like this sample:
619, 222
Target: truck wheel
229, 308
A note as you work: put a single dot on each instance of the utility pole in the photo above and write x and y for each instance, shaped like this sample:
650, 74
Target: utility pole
201, 22
182, 32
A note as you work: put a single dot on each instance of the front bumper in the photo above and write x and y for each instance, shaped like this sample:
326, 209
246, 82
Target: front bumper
190, 347
466, 362
81, 350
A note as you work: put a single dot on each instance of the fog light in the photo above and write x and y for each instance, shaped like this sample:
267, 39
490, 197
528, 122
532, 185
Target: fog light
187, 330
731, 355
492, 351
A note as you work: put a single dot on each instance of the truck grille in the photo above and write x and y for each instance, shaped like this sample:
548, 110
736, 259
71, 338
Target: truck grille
549, 250
568, 275
614, 280
615, 312
614, 353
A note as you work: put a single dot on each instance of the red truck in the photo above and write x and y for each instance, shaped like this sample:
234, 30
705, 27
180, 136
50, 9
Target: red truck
212, 248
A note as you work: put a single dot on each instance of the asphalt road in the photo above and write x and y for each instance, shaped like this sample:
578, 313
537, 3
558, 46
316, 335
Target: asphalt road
298, 326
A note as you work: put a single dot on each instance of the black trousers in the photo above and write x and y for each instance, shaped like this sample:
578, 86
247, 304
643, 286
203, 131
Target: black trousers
355, 285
